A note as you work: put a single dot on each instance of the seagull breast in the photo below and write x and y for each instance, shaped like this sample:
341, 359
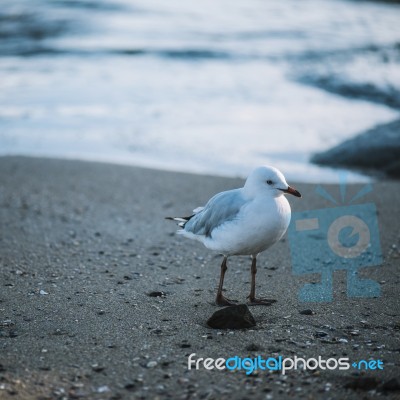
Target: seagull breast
259, 224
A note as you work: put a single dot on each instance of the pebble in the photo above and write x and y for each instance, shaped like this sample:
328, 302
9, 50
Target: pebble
307, 311
103, 389
156, 294
7, 323
151, 364
233, 317
253, 347
130, 387
97, 368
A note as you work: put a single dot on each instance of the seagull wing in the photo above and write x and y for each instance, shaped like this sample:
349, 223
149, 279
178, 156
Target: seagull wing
221, 208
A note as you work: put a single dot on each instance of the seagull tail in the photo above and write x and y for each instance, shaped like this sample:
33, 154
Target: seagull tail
181, 220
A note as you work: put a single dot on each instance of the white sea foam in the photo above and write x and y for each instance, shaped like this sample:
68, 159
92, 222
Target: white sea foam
211, 88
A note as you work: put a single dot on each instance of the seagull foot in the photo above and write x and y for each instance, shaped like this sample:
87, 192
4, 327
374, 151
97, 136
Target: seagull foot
223, 301
260, 302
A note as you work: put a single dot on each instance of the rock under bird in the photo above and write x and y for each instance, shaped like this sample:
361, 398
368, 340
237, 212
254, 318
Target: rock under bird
243, 221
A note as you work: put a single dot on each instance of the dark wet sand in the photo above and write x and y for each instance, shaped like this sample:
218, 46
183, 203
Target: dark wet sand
81, 246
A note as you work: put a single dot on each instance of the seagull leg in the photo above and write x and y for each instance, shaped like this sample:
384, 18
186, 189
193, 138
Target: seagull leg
252, 295
221, 300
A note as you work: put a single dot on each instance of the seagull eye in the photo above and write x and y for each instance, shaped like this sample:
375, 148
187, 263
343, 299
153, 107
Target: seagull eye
269, 182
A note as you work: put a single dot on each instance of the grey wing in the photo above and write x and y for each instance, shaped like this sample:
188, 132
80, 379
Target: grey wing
221, 208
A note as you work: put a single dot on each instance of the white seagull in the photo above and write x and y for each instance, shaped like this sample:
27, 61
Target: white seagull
244, 221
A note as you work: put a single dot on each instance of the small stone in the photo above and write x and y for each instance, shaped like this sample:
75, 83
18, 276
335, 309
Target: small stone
253, 347
320, 334
160, 388
130, 387
59, 391
233, 317
151, 364
307, 311
42, 292
156, 294
59, 332
103, 389
97, 368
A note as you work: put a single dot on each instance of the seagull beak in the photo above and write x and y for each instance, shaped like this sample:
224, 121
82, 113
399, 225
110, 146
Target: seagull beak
292, 191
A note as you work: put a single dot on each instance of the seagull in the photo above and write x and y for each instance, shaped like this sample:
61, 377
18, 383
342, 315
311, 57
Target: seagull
243, 221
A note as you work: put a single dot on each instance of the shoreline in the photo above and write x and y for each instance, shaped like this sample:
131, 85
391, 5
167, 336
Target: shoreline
332, 173
83, 244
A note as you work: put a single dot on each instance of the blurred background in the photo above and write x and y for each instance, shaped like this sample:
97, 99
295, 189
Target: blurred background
211, 86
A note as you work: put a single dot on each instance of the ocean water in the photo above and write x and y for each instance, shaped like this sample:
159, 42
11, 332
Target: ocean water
214, 87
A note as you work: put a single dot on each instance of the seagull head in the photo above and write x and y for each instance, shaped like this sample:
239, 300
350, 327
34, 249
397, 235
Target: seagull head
269, 180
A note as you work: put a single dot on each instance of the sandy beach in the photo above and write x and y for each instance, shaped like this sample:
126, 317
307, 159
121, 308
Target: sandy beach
82, 245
